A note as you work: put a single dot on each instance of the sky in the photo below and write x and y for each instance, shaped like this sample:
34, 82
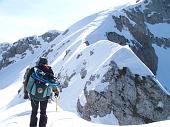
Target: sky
22, 18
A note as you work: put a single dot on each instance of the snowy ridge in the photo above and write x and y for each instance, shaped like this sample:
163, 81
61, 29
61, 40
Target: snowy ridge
84, 59
75, 55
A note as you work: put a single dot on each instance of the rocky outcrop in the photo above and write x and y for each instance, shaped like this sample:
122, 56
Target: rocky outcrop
131, 98
18, 48
50, 36
21, 46
113, 36
157, 11
4, 47
148, 11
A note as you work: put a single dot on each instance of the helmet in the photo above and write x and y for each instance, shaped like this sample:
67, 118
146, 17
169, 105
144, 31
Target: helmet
42, 60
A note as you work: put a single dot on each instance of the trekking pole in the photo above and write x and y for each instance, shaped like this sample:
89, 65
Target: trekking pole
56, 103
58, 89
56, 97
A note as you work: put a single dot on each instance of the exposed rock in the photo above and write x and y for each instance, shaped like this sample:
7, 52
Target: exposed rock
148, 56
113, 36
161, 9
155, 18
132, 99
21, 46
50, 36
155, 11
66, 79
83, 73
65, 32
87, 43
4, 47
162, 42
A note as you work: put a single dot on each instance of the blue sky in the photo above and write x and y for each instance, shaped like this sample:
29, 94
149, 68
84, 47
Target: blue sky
21, 18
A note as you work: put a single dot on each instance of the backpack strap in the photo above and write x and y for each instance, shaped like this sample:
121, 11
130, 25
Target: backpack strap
30, 71
27, 77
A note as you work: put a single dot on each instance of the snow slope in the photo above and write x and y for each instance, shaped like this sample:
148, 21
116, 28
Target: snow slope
163, 70
70, 54
14, 118
16, 111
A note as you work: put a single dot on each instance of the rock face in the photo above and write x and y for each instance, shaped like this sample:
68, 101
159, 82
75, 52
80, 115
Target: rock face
131, 98
50, 36
21, 46
4, 47
148, 11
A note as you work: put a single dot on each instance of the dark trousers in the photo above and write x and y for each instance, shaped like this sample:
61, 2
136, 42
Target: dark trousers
43, 116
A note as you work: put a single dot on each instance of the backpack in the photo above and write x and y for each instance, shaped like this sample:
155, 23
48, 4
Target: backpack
40, 83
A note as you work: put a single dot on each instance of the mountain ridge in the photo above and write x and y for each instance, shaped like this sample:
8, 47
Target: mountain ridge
84, 58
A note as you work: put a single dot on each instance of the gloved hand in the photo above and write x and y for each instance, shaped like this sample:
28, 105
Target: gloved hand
26, 96
56, 92
56, 95
49, 100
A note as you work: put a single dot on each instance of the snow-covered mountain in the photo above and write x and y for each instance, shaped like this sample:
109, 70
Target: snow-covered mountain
24, 46
106, 64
